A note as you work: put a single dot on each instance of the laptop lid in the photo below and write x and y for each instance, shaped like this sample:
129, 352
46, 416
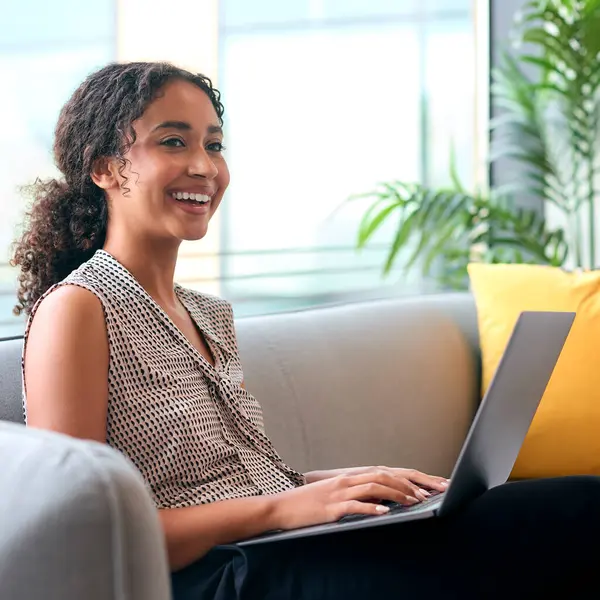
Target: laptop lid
508, 407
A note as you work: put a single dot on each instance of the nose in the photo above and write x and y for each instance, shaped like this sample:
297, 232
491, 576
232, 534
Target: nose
201, 165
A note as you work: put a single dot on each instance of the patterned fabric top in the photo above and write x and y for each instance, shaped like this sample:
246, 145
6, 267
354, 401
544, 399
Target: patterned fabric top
190, 428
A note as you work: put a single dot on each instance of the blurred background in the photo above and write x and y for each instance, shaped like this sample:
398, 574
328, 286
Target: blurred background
324, 99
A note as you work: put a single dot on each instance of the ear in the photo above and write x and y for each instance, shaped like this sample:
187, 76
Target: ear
104, 173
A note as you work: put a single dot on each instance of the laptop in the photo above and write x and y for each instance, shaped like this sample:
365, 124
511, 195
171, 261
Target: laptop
496, 434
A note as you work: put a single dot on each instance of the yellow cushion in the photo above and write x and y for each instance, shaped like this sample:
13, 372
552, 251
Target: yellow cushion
564, 437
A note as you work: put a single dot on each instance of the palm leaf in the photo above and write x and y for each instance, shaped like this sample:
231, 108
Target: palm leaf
371, 223
549, 123
402, 236
454, 177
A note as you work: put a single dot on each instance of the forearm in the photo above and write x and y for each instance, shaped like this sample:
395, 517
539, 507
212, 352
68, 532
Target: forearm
192, 531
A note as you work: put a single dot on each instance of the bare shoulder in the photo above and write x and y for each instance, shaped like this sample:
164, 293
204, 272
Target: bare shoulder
66, 364
68, 318
70, 302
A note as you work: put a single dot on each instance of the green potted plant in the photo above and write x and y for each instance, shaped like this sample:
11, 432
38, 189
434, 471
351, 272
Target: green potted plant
550, 125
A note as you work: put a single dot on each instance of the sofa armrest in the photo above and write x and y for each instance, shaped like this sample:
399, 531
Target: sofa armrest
75, 522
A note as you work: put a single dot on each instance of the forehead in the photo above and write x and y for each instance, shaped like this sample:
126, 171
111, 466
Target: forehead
179, 101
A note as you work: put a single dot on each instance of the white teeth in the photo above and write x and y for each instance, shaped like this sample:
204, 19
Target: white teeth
202, 198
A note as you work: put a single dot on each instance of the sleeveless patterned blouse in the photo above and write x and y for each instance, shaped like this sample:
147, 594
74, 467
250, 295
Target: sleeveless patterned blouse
192, 431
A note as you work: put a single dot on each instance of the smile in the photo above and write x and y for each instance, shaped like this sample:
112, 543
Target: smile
191, 198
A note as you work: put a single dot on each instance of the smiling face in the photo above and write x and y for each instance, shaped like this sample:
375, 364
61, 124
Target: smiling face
176, 174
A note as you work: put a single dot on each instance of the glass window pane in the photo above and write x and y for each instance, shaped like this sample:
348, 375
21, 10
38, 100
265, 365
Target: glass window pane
360, 8
450, 5
28, 132
46, 50
317, 111
313, 117
450, 89
413, 9
38, 22
239, 13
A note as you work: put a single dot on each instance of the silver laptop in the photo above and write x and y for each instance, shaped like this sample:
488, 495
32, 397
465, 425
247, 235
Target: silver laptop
496, 435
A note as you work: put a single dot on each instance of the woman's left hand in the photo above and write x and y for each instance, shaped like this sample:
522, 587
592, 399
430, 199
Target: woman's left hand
424, 481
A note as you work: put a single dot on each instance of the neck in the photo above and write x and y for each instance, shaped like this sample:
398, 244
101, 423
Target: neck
150, 262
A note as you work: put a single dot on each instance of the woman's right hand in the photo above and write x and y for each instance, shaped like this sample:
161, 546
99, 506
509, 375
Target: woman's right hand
331, 499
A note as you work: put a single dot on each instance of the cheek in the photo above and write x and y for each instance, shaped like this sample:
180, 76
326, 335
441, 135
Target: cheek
150, 170
164, 171
222, 182
223, 175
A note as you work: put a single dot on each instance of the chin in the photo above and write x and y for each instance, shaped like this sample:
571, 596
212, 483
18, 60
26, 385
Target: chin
189, 230
193, 235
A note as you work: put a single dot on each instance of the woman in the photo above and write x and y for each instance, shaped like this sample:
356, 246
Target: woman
115, 352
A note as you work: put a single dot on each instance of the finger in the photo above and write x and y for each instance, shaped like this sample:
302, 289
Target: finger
418, 492
403, 484
383, 492
389, 480
354, 507
423, 479
429, 482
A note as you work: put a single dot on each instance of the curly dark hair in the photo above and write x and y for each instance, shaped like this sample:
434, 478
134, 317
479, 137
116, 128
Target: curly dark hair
67, 220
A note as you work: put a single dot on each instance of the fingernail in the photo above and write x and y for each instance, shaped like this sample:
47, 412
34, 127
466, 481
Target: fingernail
445, 483
382, 509
425, 493
411, 499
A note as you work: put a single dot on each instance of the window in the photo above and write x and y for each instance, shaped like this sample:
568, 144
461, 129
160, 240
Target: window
324, 99
46, 49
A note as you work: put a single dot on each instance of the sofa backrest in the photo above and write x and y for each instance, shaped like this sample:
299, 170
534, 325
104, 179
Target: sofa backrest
388, 382
10, 380
384, 382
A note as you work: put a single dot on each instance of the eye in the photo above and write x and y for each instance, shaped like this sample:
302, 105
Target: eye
216, 147
173, 142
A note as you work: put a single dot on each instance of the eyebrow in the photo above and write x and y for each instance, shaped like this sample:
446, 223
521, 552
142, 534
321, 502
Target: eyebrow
184, 126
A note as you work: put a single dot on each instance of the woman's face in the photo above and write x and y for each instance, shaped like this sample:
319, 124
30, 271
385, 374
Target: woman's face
176, 174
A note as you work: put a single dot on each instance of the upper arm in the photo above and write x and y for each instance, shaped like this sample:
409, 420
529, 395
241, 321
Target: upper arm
66, 365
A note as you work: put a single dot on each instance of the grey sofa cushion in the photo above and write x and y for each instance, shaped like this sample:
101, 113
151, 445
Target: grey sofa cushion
391, 382
10, 380
75, 522
366, 382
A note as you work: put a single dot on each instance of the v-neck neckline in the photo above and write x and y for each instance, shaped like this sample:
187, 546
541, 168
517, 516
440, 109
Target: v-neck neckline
211, 344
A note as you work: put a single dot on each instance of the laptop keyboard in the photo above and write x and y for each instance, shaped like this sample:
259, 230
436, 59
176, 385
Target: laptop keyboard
396, 508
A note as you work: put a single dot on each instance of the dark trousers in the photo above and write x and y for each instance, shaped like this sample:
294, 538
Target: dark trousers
534, 539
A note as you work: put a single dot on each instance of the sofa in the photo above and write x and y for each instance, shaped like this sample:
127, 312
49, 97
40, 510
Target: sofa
392, 382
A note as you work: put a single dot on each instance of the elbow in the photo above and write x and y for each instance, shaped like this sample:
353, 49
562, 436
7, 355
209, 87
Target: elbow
181, 554
182, 550
179, 559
